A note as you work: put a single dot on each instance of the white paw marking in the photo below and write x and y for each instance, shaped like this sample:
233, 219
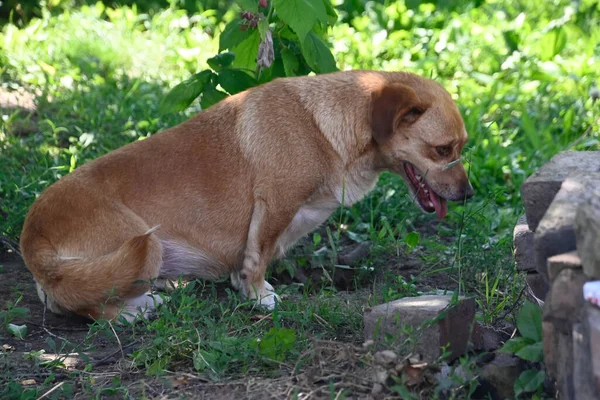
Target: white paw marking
141, 307
267, 297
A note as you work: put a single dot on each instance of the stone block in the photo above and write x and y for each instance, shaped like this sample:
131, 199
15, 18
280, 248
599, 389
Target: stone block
523, 245
537, 287
555, 233
501, 374
550, 347
588, 235
565, 302
564, 378
593, 326
582, 364
559, 262
540, 188
433, 321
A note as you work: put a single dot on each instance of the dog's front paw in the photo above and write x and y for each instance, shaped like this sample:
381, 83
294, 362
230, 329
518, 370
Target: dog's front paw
142, 307
265, 296
268, 297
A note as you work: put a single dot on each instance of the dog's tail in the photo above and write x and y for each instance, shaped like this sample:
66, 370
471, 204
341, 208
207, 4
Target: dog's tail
76, 283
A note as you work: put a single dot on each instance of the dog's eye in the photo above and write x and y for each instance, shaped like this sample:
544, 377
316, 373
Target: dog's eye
443, 151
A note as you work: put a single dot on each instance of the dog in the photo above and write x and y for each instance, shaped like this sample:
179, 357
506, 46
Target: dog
232, 188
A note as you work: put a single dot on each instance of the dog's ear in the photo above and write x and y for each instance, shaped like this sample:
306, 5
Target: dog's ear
392, 106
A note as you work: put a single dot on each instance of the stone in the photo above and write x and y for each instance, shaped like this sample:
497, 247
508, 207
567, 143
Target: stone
357, 254
385, 357
582, 364
565, 301
550, 347
486, 338
537, 287
523, 245
377, 388
588, 235
559, 262
564, 378
555, 233
541, 187
431, 320
593, 327
501, 374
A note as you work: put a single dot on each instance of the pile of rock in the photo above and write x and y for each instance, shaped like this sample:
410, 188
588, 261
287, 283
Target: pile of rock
557, 243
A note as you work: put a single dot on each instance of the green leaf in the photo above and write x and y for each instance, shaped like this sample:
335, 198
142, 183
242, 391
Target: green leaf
248, 5
512, 346
233, 35
317, 54
221, 61
301, 15
331, 13
532, 352
529, 381
413, 239
276, 343
316, 239
235, 80
19, 331
246, 52
211, 96
290, 62
263, 27
529, 321
553, 43
512, 40
182, 95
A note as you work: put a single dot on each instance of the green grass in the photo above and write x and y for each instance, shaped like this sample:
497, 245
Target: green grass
522, 72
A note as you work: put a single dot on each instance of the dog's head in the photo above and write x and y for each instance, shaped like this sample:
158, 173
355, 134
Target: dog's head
420, 134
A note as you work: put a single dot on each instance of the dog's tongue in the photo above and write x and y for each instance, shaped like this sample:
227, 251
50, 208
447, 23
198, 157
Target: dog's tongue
439, 203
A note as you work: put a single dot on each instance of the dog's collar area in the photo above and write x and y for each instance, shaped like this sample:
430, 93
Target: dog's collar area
451, 164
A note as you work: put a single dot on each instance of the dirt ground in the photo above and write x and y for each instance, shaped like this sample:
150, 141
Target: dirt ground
338, 362
335, 361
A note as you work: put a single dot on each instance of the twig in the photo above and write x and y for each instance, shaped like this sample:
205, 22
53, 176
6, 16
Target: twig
58, 385
11, 244
58, 328
117, 337
107, 360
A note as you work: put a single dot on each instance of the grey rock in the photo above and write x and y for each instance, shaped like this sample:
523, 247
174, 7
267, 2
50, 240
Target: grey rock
564, 379
588, 235
559, 262
523, 245
583, 382
385, 357
593, 327
486, 338
537, 287
501, 374
550, 347
555, 233
358, 253
566, 300
434, 323
541, 187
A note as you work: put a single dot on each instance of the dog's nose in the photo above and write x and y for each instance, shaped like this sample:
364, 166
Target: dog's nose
468, 191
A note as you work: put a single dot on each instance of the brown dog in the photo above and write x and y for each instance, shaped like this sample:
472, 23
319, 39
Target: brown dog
235, 186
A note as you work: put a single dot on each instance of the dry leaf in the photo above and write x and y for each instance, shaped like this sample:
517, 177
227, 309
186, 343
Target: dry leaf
413, 376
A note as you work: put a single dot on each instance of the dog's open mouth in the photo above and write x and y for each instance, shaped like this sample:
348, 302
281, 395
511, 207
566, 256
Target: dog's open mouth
428, 199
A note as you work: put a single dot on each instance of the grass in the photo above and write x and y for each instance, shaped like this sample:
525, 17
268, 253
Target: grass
523, 73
